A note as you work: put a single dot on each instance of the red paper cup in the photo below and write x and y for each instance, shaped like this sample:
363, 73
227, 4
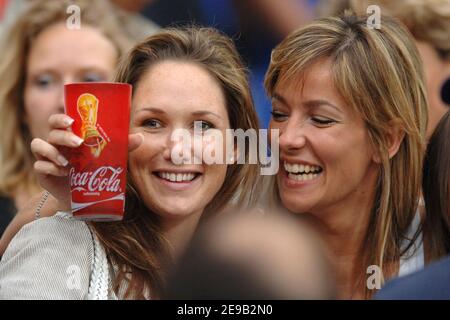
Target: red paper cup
98, 167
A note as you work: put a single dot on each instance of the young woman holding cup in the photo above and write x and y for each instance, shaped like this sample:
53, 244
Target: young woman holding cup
180, 78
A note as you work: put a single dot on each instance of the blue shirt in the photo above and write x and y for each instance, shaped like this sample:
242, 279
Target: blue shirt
431, 283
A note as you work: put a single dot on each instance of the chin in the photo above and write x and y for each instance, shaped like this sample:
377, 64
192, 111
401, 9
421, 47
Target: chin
293, 205
177, 211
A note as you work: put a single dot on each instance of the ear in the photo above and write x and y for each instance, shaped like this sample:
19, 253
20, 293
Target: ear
395, 136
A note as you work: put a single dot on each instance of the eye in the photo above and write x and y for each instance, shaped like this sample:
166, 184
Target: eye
322, 121
201, 125
44, 81
278, 116
92, 77
151, 124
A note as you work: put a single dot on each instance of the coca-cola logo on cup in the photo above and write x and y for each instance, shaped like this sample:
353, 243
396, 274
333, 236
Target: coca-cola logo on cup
104, 178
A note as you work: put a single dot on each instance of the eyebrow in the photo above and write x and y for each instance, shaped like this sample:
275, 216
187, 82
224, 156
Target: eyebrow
309, 104
195, 113
320, 102
280, 98
52, 69
156, 110
205, 113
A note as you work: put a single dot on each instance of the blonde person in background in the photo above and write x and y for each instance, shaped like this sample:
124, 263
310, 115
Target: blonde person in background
429, 23
351, 108
39, 55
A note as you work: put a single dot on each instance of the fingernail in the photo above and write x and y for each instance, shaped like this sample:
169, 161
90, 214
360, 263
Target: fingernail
77, 141
68, 121
62, 161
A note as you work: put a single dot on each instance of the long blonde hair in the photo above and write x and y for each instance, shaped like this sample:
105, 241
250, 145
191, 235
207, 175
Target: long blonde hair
379, 74
136, 245
16, 159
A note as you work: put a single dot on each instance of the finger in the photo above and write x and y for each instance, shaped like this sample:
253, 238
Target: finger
44, 150
60, 121
64, 138
134, 141
49, 168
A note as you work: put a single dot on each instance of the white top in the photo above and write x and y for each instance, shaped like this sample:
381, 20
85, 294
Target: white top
414, 259
56, 258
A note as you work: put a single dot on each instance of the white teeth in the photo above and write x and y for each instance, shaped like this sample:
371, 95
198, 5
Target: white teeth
176, 177
303, 177
296, 168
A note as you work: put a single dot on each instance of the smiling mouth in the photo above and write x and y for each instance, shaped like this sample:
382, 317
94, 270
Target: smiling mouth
177, 177
300, 172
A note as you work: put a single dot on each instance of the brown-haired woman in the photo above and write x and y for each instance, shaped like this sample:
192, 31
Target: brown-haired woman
189, 79
349, 101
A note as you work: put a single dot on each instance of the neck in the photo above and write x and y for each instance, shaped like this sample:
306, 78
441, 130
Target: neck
179, 231
344, 227
21, 199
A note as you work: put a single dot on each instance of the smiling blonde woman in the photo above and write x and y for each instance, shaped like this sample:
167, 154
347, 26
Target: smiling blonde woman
350, 105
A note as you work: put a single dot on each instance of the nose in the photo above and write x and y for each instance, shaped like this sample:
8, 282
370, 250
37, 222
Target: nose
167, 151
61, 99
178, 147
292, 136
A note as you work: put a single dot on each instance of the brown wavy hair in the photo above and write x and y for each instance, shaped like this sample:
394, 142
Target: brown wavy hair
136, 245
379, 74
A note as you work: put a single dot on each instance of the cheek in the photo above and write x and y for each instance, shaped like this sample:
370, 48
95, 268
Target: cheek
38, 108
214, 148
31, 103
345, 157
42, 100
142, 157
134, 171
139, 166
214, 178
273, 125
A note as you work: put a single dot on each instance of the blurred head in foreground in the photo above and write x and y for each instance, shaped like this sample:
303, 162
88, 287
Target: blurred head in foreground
253, 256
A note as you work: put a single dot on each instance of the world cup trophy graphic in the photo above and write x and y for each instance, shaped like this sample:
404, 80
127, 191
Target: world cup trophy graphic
87, 106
